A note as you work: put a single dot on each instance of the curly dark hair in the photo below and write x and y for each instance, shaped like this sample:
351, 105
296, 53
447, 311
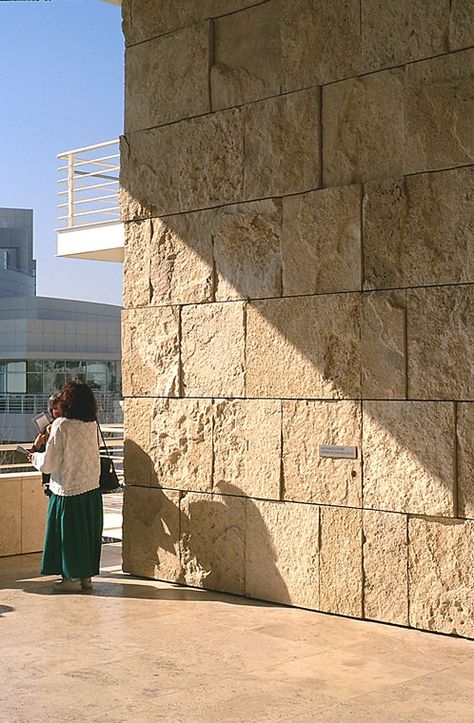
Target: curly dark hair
77, 401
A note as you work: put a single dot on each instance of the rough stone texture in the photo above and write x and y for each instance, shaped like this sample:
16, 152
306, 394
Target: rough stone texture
247, 250
166, 79
305, 347
441, 343
396, 33
150, 352
385, 557
282, 145
144, 19
419, 230
320, 42
137, 460
340, 561
465, 438
321, 249
409, 457
136, 267
383, 345
151, 533
247, 448
181, 265
213, 541
282, 556
184, 166
309, 478
212, 350
363, 128
461, 25
34, 509
10, 529
439, 109
441, 575
181, 444
247, 56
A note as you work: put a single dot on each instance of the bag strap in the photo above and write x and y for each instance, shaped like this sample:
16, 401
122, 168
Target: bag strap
103, 439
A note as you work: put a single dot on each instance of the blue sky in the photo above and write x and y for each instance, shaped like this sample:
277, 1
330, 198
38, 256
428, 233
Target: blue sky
61, 82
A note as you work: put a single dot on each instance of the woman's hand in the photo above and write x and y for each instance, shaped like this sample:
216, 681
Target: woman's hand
30, 457
40, 441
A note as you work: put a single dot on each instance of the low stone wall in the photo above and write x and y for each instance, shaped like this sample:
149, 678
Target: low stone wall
23, 507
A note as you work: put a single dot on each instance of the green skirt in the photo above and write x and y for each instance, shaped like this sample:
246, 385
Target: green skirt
73, 537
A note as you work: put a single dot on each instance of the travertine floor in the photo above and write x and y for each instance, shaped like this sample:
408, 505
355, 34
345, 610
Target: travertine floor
137, 650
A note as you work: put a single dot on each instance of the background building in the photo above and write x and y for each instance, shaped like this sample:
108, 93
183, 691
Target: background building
45, 341
299, 272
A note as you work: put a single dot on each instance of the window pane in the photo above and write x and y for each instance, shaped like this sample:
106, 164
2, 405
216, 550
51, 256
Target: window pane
34, 366
34, 383
48, 382
96, 367
16, 383
2, 383
19, 366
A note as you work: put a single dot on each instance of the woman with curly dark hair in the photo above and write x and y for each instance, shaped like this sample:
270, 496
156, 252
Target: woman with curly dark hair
74, 525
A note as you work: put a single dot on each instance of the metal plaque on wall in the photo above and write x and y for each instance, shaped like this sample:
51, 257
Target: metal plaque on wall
337, 451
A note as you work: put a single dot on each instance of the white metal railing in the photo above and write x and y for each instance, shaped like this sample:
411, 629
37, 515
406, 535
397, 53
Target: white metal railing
13, 463
89, 183
32, 404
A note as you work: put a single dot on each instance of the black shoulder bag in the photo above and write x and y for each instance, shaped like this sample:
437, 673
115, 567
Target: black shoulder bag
108, 480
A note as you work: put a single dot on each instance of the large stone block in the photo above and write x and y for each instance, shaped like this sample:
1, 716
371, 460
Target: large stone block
282, 145
282, 555
213, 541
419, 230
181, 444
137, 424
439, 108
150, 352
181, 264
363, 128
441, 575
167, 79
340, 561
10, 529
461, 25
151, 533
184, 166
247, 56
309, 477
305, 347
385, 554
397, 33
383, 345
247, 448
144, 19
441, 343
320, 42
465, 439
409, 457
321, 244
247, 250
212, 350
34, 509
136, 267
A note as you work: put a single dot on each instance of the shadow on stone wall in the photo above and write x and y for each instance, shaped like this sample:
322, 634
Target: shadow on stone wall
198, 539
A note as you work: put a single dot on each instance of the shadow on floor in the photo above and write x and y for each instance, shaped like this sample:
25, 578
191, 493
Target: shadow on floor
124, 586
5, 609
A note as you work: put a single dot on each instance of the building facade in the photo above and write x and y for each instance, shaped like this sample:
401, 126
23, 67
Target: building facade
298, 335
45, 341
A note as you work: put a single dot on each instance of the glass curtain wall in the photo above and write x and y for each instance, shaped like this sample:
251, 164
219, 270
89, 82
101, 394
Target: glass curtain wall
48, 376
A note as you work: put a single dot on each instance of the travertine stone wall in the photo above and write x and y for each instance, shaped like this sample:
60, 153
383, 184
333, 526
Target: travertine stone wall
297, 182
